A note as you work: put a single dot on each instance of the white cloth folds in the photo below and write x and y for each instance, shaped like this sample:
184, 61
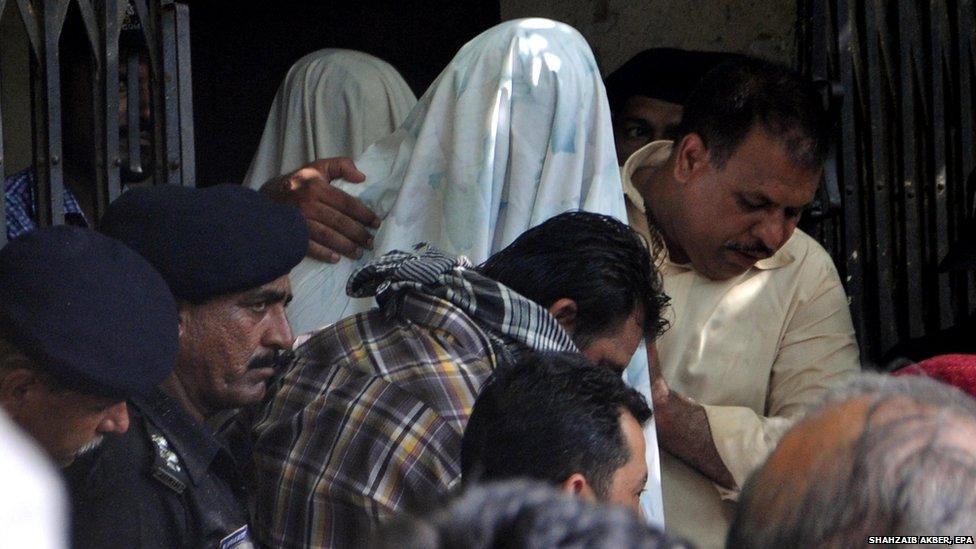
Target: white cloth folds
33, 510
515, 130
332, 103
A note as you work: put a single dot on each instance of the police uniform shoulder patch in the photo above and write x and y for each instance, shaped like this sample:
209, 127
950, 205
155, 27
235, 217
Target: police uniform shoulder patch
238, 539
166, 467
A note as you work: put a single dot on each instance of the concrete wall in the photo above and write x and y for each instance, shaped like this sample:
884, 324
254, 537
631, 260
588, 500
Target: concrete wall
617, 29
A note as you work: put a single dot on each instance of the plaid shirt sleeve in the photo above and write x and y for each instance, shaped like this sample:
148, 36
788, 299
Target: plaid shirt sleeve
367, 422
18, 194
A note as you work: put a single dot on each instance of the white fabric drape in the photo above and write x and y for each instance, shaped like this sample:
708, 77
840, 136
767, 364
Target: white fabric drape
332, 103
514, 131
33, 507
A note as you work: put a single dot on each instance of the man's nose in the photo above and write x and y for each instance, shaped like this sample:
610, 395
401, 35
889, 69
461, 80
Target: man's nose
774, 230
116, 419
278, 333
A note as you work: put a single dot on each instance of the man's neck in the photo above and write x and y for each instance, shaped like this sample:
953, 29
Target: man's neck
175, 388
655, 185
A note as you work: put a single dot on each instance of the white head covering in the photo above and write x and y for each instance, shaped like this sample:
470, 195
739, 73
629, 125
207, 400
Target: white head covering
33, 510
514, 131
331, 103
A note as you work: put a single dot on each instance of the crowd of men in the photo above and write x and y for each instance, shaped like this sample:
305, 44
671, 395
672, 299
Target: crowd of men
481, 403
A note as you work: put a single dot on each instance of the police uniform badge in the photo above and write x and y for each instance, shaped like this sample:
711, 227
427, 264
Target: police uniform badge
166, 467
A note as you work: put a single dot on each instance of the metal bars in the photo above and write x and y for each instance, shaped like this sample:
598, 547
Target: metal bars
905, 148
165, 34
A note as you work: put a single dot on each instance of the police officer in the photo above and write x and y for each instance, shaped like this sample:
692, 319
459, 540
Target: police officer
85, 323
225, 252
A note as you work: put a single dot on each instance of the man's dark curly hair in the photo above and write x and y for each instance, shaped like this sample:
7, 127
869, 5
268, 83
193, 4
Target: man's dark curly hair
598, 262
547, 417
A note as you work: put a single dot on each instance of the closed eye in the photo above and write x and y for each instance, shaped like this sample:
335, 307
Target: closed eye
751, 204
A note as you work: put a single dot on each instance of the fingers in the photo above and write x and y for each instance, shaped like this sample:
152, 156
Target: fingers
322, 253
337, 221
332, 239
339, 168
341, 223
347, 205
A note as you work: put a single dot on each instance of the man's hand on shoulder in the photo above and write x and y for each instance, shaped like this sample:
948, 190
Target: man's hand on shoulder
337, 222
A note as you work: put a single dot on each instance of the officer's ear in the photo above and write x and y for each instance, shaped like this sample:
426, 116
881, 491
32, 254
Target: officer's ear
16, 385
183, 313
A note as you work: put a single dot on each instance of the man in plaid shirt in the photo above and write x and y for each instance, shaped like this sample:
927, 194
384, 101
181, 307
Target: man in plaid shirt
367, 420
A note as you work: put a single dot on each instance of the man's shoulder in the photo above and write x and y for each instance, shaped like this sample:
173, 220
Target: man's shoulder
386, 355
350, 341
415, 328
115, 498
807, 255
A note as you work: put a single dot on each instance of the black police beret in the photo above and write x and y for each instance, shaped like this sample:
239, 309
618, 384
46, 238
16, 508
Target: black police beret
668, 74
88, 310
212, 241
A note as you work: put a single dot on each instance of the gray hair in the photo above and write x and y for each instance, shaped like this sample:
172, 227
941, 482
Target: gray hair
881, 387
907, 473
525, 514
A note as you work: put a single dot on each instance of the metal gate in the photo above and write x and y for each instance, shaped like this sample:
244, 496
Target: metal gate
164, 25
902, 75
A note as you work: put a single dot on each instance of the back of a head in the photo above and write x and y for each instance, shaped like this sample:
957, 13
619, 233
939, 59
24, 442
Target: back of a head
744, 93
897, 458
547, 417
521, 514
595, 260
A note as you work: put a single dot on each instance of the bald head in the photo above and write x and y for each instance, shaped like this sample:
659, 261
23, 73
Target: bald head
881, 456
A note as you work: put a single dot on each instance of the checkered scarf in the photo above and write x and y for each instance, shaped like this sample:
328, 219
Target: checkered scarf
503, 312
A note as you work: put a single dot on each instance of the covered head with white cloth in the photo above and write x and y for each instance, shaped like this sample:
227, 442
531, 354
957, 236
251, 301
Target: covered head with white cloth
333, 102
515, 130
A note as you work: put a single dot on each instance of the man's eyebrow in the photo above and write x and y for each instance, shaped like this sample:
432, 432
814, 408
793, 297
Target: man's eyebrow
637, 120
267, 296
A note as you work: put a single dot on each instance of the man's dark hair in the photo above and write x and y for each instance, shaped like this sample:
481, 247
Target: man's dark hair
598, 262
744, 93
521, 514
547, 417
668, 74
909, 471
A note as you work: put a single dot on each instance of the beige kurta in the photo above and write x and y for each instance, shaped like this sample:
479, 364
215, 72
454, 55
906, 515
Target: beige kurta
754, 350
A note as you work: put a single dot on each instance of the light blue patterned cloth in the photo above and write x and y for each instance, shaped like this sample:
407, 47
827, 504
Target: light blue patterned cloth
514, 131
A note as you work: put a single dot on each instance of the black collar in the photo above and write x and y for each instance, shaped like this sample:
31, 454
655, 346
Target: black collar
192, 441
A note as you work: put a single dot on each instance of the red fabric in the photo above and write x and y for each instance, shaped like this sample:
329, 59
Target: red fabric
956, 370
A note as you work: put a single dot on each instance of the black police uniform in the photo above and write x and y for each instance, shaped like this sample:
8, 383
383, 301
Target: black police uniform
167, 482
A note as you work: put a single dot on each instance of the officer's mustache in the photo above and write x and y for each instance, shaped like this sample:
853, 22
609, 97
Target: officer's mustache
271, 359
